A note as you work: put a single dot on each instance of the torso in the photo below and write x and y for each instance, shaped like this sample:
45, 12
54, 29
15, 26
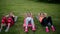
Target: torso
41, 18
28, 18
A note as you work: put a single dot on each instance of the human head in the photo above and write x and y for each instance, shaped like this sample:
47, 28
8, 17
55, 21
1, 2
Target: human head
11, 13
43, 14
29, 14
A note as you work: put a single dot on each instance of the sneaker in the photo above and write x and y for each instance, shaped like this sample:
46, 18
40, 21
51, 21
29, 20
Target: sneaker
6, 30
0, 30
33, 29
47, 30
26, 30
53, 29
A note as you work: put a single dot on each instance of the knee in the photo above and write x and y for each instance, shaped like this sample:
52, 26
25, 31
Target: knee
3, 21
49, 17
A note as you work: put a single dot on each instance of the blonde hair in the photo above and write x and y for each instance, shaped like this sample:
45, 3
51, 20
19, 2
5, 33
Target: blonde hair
45, 14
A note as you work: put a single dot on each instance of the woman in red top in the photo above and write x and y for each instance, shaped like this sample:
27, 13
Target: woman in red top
7, 21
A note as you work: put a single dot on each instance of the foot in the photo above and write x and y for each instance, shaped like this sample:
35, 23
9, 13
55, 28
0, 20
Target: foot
47, 30
0, 30
53, 29
6, 30
26, 30
33, 29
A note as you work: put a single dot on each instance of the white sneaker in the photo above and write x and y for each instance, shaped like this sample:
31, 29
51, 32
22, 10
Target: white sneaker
0, 30
6, 30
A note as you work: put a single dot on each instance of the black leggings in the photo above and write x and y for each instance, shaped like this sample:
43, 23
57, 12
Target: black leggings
47, 21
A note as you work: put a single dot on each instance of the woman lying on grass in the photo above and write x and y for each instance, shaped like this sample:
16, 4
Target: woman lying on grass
46, 21
28, 20
8, 21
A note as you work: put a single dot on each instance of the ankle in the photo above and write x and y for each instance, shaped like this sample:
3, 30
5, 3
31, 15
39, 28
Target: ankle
46, 26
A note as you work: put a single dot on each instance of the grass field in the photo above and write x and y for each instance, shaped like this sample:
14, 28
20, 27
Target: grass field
19, 7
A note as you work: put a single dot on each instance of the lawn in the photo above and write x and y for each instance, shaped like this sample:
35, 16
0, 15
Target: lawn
19, 7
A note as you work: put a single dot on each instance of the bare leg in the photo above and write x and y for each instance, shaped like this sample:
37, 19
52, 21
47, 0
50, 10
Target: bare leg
2, 26
26, 28
7, 27
47, 29
33, 26
32, 22
53, 28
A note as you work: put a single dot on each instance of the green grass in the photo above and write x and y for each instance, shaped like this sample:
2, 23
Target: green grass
19, 7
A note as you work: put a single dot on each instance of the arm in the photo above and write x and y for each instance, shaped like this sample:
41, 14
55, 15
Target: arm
15, 18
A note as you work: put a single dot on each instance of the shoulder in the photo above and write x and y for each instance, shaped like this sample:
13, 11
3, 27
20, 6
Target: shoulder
7, 16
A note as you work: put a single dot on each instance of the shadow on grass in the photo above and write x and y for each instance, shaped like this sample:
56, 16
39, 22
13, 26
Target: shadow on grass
47, 1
